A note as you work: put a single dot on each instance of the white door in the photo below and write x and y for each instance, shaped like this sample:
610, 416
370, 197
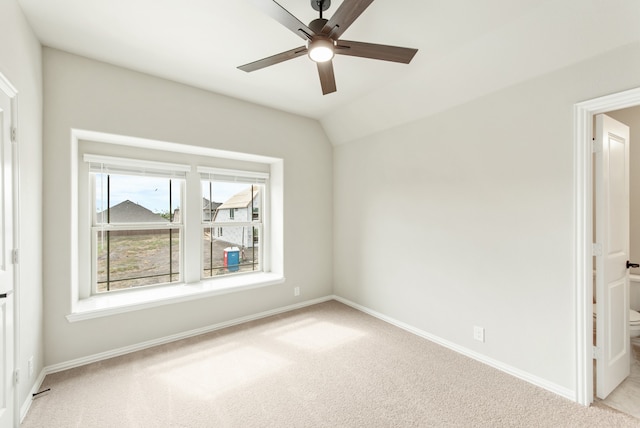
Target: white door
612, 233
7, 408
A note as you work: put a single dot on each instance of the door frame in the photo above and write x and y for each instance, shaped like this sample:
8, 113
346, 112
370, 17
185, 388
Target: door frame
8, 89
583, 114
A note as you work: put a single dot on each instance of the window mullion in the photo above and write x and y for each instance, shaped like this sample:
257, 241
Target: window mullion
170, 235
234, 223
211, 229
137, 226
108, 232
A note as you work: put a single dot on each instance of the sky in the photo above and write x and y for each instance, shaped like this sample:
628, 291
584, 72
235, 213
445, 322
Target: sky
153, 192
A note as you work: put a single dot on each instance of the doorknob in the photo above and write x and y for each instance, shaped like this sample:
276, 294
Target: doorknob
632, 265
4, 295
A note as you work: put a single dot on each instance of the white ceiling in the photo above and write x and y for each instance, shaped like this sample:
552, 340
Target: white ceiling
467, 48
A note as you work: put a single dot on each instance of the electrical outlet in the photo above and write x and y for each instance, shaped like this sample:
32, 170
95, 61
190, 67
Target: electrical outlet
478, 333
296, 291
30, 367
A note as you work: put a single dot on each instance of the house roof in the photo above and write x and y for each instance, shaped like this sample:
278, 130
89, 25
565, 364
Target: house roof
130, 212
241, 199
207, 204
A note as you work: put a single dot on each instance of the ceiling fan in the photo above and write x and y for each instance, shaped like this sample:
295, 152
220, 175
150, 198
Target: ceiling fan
323, 39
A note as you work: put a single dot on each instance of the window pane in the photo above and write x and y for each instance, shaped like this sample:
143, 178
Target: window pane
135, 258
231, 201
230, 249
137, 199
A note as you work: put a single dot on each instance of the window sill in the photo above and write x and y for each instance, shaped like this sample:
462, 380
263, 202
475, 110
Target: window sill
134, 300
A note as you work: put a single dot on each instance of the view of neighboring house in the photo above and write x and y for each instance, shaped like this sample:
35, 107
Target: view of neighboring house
244, 206
129, 212
208, 210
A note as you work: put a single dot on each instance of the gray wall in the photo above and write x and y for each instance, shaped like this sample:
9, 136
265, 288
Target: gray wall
86, 94
20, 62
490, 241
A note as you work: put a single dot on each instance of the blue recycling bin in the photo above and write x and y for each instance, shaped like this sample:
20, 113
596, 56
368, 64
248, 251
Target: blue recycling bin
232, 259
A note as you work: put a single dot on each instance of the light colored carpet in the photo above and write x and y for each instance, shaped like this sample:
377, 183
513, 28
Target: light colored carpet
327, 365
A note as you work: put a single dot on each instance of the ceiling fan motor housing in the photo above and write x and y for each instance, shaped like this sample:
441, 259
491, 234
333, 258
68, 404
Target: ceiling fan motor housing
317, 24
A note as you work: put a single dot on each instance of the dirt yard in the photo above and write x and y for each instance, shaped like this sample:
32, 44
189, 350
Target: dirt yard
143, 259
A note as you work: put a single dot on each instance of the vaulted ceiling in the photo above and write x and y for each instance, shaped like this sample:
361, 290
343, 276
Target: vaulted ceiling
467, 48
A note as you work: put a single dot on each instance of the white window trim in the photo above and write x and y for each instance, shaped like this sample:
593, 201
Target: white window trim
149, 297
115, 303
129, 166
219, 172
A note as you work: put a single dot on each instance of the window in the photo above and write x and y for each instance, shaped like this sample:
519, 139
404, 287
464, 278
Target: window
122, 263
232, 221
136, 223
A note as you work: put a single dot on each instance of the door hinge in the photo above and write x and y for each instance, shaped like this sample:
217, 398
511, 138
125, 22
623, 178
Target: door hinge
13, 135
596, 145
595, 353
15, 256
596, 249
16, 377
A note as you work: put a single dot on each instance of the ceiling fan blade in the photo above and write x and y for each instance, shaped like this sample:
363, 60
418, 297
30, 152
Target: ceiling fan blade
375, 51
274, 59
282, 15
348, 12
327, 78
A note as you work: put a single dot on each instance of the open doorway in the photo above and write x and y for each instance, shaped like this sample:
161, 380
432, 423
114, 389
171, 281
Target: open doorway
617, 382
584, 114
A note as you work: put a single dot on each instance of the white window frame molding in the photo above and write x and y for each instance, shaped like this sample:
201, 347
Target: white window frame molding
133, 166
111, 304
10, 91
583, 114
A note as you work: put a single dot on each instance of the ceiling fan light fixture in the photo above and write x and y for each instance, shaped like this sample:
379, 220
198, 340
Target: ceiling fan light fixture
321, 49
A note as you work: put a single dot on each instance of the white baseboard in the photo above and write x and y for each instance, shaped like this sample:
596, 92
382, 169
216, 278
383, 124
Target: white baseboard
167, 339
35, 388
520, 374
